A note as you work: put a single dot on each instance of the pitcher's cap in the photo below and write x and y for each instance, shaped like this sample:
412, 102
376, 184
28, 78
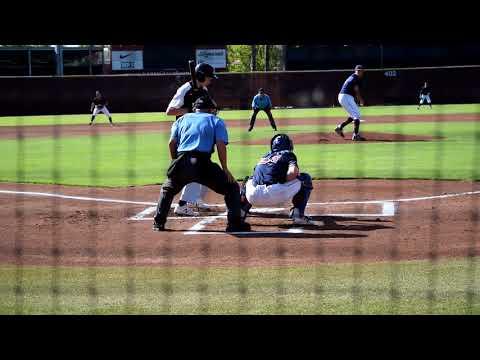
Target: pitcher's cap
359, 67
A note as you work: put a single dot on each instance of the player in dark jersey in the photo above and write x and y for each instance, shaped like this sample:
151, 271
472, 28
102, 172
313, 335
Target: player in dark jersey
182, 103
349, 91
425, 95
277, 180
99, 104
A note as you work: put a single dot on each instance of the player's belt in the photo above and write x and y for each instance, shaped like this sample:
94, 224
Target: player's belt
198, 154
265, 183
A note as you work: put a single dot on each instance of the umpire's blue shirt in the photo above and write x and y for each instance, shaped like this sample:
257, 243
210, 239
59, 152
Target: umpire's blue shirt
261, 101
198, 132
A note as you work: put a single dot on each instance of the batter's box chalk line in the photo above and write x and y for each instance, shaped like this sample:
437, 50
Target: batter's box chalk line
388, 208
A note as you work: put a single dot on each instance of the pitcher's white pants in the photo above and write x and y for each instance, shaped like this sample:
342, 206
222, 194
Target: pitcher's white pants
349, 104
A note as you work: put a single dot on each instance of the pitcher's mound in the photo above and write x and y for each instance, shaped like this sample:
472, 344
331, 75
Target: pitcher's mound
327, 138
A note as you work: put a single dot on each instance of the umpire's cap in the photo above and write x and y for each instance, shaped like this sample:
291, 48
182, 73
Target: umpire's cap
204, 69
281, 142
204, 102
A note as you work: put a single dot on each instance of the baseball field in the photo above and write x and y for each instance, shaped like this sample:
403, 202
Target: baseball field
396, 218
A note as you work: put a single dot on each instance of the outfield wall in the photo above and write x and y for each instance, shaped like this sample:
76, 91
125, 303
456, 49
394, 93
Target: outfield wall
151, 93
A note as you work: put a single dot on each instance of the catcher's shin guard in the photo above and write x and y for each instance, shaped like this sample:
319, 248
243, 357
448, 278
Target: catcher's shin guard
300, 199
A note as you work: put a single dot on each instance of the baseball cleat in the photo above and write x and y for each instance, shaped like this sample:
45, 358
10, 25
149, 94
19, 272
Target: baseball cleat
358, 137
200, 205
184, 210
158, 227
300, 219
242, 227
339, 131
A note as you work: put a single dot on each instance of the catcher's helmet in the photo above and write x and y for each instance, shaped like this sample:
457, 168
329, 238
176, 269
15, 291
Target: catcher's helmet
281, 142
203, 69
204, 102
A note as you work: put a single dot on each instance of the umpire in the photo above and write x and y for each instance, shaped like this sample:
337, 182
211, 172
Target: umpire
262, 101
192, 141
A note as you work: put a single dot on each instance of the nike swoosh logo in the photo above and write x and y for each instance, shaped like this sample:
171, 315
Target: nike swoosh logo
124, 56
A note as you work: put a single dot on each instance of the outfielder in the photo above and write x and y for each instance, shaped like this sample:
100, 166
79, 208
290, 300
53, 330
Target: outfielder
277, 180
99, 105
346, 98
192, 142
425, 95
181, 104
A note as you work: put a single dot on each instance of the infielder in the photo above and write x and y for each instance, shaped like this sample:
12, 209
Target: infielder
260, 102
192, 142
180, 105
99, 105
346, 98
277, 180
425, 95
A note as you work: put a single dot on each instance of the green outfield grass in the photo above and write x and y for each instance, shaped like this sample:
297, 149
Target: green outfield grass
323, 289
243, 114
113, 155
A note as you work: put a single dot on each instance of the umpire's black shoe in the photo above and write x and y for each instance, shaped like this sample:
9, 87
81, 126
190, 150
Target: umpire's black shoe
158, 227
242, 227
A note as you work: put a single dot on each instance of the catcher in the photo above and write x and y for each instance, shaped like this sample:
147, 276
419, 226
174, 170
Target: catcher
277, 180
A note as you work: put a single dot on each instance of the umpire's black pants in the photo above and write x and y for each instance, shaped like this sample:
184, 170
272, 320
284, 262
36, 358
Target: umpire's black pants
269, 114
197, 167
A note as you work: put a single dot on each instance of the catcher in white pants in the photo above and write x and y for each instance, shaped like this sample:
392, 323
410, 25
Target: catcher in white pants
277, 180
182, 102
99, 105
346, 98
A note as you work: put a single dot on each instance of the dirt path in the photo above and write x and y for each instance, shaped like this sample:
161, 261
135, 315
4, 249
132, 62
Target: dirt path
102, 127
48, 230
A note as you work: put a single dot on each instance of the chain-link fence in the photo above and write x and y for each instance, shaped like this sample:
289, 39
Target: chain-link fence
390, 226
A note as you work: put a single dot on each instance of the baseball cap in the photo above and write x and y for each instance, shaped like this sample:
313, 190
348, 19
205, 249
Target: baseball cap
359, 67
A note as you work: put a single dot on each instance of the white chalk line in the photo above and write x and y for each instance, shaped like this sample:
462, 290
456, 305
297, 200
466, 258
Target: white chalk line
224, 217
388, 210
84, 198
81, 198
388, 206
201, 225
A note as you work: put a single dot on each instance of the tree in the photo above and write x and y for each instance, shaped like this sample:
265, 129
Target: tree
239, 57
